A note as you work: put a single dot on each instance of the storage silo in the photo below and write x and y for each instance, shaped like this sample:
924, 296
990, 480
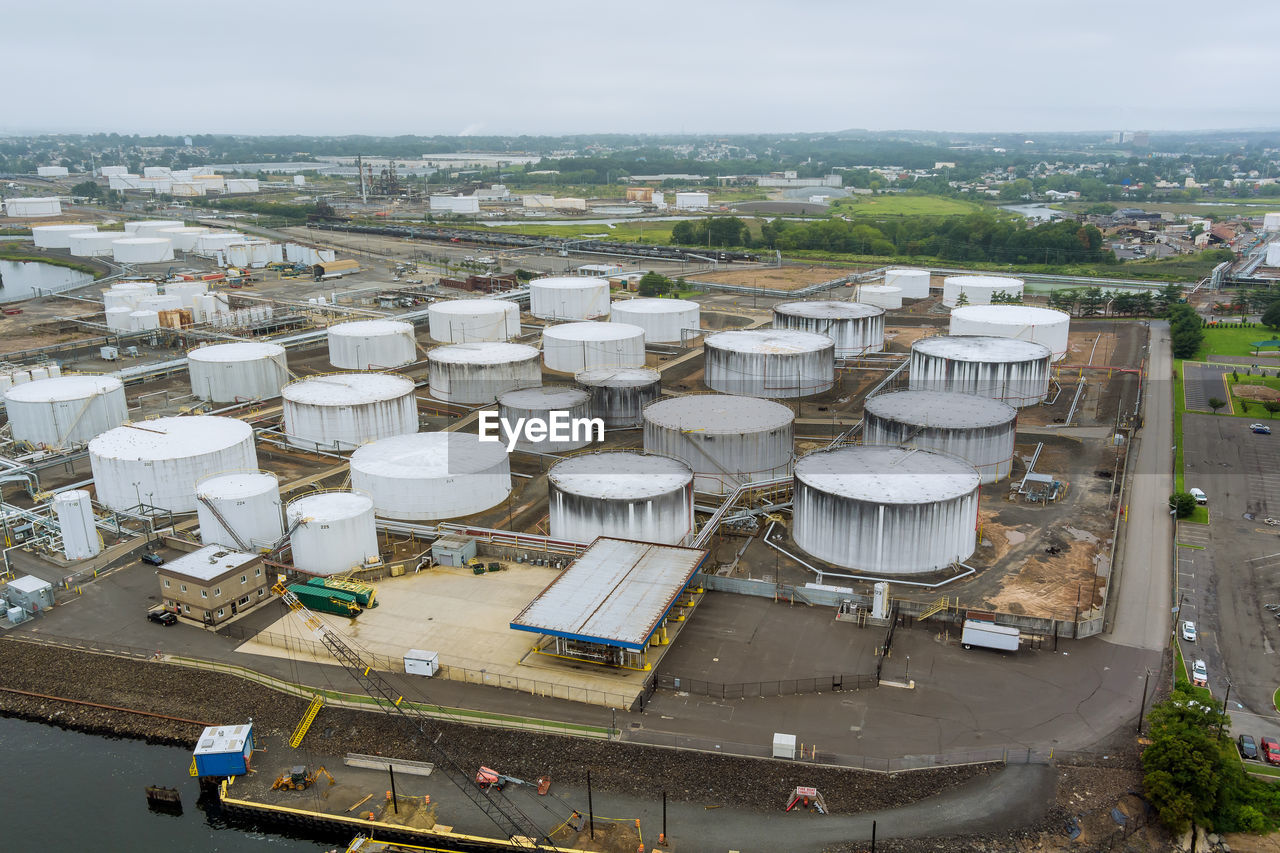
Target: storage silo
74, 509
574, 347
885, 510
458, 321
243, 370
979, 430
540, 404
151, 227
333, 532
619, 394
1271, 222
127, 294
142, 250
978, 289
240, 509
769, 363
144, 320
1013, 371
31, 208
856, 328
216, 241
158, 462
159, 302
65, 410
663, 320
372, 344
623, 494
569, 298
1046, 326
341, 411
183, 237
726, 440
880, 295
479, 372
59, 236
92, 244
914, 284
432, 475
117, 319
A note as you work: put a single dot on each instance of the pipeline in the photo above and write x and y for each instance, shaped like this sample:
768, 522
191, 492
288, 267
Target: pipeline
105, 707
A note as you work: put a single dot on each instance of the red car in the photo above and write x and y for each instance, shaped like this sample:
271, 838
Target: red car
1271, 750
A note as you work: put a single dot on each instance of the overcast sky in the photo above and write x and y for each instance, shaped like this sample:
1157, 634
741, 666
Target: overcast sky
698, 66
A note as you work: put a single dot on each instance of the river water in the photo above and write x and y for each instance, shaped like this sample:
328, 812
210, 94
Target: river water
23, 279
65, 791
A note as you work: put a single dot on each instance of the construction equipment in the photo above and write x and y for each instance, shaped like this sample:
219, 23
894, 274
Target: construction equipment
299, 778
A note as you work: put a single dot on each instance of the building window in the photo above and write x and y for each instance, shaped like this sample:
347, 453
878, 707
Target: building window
220, 612
257, 573
182, 587
243, 601
217, 592
244, 579
166, 583
204, 593
260, 591
186, 608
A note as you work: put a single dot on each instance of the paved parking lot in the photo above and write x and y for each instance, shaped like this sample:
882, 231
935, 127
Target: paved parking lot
1202, 381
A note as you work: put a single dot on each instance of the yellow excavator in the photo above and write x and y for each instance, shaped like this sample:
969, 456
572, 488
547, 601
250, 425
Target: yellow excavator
299, 778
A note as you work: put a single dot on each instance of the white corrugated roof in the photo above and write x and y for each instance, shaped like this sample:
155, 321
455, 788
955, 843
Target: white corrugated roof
209, 562
216, 740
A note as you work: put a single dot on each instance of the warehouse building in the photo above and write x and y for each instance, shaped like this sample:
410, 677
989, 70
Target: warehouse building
213, 584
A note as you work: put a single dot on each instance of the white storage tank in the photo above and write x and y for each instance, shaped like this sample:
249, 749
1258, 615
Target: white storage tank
726, 440
569, 298
1271, 222
31, 208
769, 363
1273, 255
914, 284
159, 302
216, 241
459, 321
979, 430
240, 509
432, 475
92, 244
978, 289
65, 410
1046, 326
158, 462
183, 237
480, 372
142, 250
574, 347
1013, 371
663, 320
244, 370
143, 320
127, 294
540, 404
151, 227
118, 319
619, 394
335, 532
880, 295
341, 411
856, 328
372, 344
74, 510
59, 236
885, 510
622, 494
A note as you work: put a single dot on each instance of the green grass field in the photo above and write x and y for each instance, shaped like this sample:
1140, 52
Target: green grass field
1233, 341
904, 205
627, 232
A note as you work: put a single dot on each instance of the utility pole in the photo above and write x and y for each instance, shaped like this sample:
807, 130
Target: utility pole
1142, 708
1222, 718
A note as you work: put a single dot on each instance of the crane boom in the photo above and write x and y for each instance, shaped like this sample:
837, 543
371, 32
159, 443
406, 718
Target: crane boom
518, 827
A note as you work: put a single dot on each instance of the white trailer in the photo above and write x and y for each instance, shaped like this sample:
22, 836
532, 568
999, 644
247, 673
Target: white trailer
418, 662
988, 635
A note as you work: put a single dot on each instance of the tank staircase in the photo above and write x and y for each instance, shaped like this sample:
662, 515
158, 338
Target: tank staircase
223, 521
317, 702
284, 540
787, 592
936, 607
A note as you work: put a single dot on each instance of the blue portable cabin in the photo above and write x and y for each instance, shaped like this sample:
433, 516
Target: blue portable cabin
224, 750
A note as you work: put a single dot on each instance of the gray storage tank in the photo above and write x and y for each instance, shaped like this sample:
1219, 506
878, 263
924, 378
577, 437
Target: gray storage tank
856, 328
777, 363
726, 440
1013, 371
979, 430
623, 494
542, 403
619, 394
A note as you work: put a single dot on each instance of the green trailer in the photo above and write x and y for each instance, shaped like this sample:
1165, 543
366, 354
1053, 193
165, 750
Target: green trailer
324, 600
365, 593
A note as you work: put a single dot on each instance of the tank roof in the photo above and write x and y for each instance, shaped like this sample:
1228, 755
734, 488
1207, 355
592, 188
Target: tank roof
482, 352
170, 438
984, 280
655, 306
620, 475
781, 341
593, 330
371, 327
570, 282
718, 414
981, 348
618, 377
905, 271
71, 495
1012, 315
544, 397
887, 475
833, 309
57, 388
347, 389
428, 455
184, 229
329, 506
879, 288
473, 306
140, 241
238, 351
64, 228
945, 409
237, 484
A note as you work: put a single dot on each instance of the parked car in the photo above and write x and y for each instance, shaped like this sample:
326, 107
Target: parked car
1199, 674
1189, 631
153, 559
1261, 429
1271, 750
164, 617
1248, 749
1199, 495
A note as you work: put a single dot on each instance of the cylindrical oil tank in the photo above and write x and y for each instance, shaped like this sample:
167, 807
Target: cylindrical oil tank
885, 510
979, 430
150, 227
92, 244
65, 410
74, 509
880, 295
240, 509
118, 319
459, 321
144, 320
479, 372
216, 241
1046, 326
769, 363
726, 440
1271, 222
622, 494
914, 284
1016, 372
372, 344
540, 404
335, 532
160, 302
856, 328
126, 294
432, 475
158, 462
619, 394
341, 411
142, 250
569, 298
183, 237
244, 370
663, 320
574, 347
978, 289
58, 236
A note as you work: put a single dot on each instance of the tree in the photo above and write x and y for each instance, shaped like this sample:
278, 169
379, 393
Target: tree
1184, 504
1271, 316
1216, 403
1183, 766
962, 300
1272, 406
653, 284
682, 232
87, 189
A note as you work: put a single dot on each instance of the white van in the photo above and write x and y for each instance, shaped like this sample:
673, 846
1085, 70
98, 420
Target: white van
1199, 495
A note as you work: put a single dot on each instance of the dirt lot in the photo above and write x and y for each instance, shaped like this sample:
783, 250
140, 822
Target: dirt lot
783, 278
